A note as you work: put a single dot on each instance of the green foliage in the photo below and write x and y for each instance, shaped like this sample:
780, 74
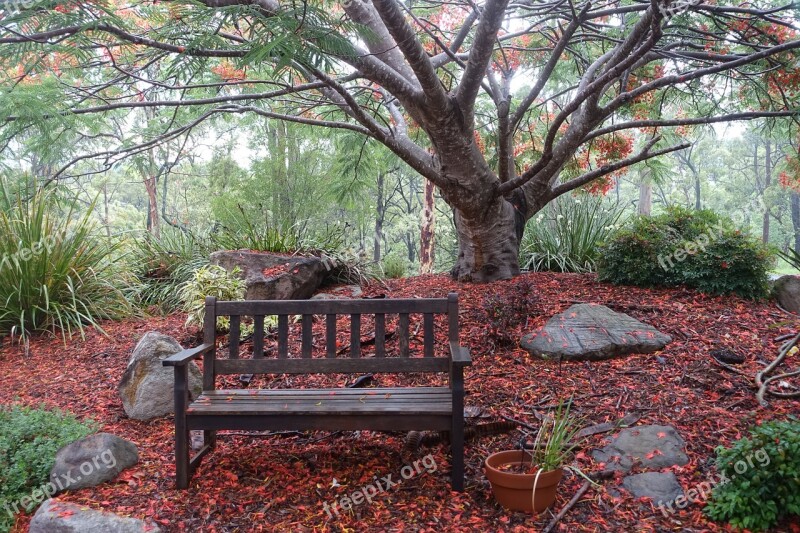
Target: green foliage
792, 257
760, 477
29, 440
509, 308
556, 438
699, 249
55, 272
162, 265
394, 267
210, 280
565, 236
259, 237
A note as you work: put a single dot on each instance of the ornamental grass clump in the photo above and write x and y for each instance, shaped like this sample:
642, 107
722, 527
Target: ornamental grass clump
56, 270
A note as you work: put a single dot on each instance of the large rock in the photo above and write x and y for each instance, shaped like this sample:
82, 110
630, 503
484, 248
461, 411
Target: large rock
651, 447
786, 291
147, 387
90, 461
274, 277
62, 517
590, 332
661, 487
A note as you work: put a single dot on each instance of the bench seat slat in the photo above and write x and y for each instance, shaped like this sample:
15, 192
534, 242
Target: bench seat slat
436, 401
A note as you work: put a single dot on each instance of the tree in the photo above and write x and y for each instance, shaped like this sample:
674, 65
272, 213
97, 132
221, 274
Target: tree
431, 81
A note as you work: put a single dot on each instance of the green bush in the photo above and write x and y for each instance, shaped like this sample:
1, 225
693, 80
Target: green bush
699, 249
760, 477
162, 265
55, 271
565, 235
29, 440
394, 267
210, 280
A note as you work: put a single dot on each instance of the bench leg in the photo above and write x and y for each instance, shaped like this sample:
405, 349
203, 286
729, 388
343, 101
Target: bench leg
181, 430
181, 454
457, 453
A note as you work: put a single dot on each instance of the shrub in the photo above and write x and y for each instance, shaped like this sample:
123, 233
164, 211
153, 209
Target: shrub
394, 267
763, 477
565, 236
506, 310
210, 280
162, 265
699, 249
29, 440
55, 271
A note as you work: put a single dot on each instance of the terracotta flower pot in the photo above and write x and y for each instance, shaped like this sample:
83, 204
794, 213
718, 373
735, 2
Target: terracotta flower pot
514, 491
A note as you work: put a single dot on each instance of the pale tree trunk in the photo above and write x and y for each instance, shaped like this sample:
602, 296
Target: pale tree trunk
380, 216
427, 233
796, 220
767, 176
645, 205
153, 226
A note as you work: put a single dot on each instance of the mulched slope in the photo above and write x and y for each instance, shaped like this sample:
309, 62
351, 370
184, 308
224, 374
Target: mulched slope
280, 483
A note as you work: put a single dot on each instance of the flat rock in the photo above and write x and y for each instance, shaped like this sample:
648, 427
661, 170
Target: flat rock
62, 517
274, 277
340, 293
786, 291
590, 332
652, 447
661, 487
146, 387
91, 461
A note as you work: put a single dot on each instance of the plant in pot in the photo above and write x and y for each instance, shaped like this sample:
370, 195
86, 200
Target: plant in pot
527, 479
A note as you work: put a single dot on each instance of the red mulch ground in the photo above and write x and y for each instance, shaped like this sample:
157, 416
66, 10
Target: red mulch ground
279, 483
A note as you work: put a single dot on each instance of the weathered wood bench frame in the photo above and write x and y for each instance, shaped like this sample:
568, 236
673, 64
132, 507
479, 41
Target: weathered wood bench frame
379, 409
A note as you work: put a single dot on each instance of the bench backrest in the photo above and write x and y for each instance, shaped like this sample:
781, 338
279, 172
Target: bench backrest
399, 357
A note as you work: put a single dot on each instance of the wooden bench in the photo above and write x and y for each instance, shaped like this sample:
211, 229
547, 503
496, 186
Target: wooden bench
381, 409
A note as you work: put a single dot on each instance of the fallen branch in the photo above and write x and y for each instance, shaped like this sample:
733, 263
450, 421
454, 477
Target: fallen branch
566, 508
763, 382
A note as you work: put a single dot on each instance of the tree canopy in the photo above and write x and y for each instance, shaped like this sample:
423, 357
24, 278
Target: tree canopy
503, 105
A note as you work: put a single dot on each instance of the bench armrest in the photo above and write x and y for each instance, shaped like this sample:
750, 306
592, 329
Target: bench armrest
184, 356
460, 355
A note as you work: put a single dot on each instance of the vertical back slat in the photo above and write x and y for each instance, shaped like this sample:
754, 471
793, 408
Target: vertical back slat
355, 335
429, 334
330, 335
233, 339
308, 338
283, 336
380, 335
209, 337
258, 337
403, 334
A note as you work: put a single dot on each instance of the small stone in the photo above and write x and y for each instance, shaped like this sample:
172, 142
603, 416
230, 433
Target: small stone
652, 447
62, 517
91, 461
724, 355
661, 487
786, 291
